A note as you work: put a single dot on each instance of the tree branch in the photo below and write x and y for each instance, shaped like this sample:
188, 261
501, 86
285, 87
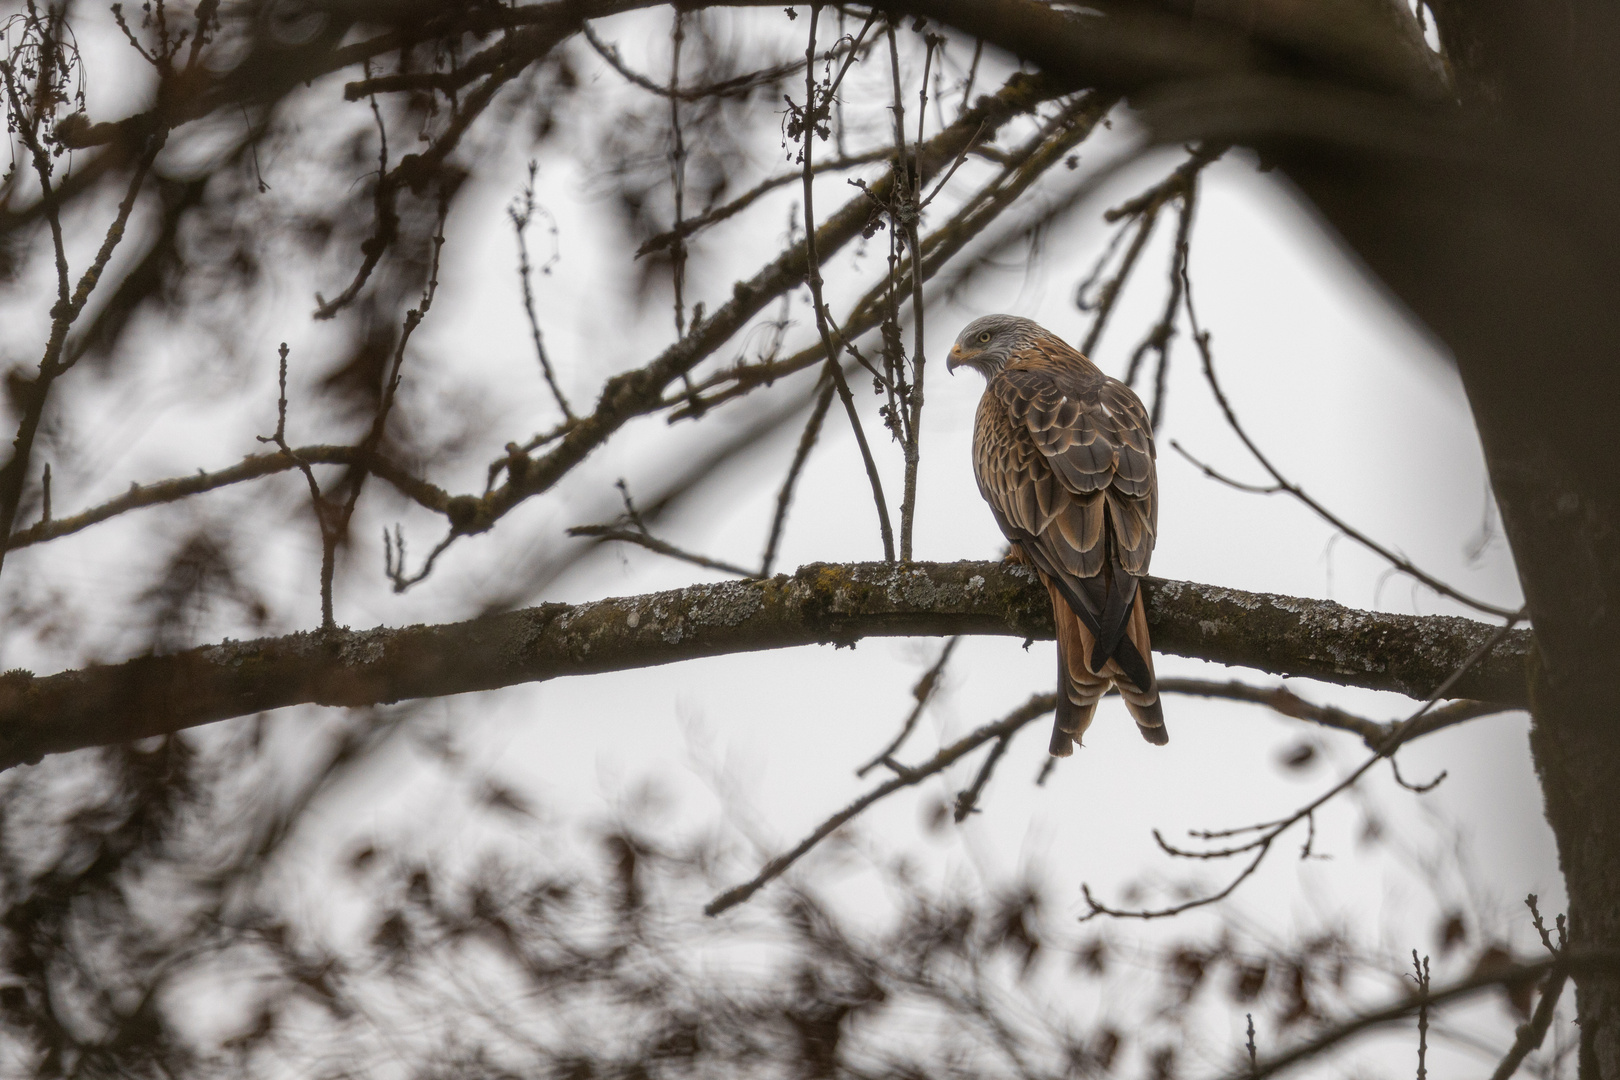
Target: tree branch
822, 603
249, 468
1594, 960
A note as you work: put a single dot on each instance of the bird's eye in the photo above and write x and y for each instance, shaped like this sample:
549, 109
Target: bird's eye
985, 336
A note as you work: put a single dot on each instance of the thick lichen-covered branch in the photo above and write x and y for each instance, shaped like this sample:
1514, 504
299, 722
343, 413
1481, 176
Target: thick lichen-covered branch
822, 603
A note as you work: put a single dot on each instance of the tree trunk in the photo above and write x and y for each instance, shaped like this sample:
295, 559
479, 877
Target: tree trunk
1511, 254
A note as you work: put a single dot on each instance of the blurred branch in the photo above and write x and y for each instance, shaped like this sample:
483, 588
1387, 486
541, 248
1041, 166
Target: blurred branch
652, 543
738, 86
1283, 700
1033, 709
641, 536
520, 213
822, 603
720, 213
251, 467
640, 391
1261, 835
1023, 167
1595, 960
921, 694
65, 312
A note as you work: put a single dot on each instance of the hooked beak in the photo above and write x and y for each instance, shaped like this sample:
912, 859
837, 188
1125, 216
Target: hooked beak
956, 359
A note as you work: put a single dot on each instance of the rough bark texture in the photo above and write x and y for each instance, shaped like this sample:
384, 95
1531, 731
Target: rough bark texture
1484, 197
1511, 254
823, 603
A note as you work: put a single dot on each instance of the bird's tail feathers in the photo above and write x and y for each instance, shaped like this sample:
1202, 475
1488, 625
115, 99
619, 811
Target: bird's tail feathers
1140, 687
1078, 690
1118, 589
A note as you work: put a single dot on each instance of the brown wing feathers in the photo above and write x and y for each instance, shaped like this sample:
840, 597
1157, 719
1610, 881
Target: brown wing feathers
1064, 457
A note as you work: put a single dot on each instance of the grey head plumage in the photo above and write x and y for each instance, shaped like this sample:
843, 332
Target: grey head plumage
988, 342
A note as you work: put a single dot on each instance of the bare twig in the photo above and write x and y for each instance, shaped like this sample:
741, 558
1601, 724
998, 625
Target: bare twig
1036, 707
1283, 700
1103, 305
69, 305
1421, 975
812, 121
921, 694
641, 536
904, 211
1024, 166
318, 502
652, 543
356, 477
521, 213
1531, 1034
967, 800
252, 467
1265, 833
738, 86
1283, 484
1595, 960
415, 170
677, 173
784, 495
693, 225
1141, 213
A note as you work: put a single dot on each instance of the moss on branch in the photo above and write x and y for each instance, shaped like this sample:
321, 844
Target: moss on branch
823, 603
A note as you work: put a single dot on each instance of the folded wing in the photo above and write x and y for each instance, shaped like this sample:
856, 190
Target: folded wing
1064, 456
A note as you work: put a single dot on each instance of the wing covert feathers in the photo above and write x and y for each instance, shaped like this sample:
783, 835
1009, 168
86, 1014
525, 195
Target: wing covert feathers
1064, 456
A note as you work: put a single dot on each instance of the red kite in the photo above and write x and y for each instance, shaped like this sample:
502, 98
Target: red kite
1064, 456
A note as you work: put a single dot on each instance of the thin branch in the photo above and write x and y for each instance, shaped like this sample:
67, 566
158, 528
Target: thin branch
811, 120
640, 391
318, 502
1530, 1035
1283, 484
1037, 706
67, 308
967, 800
739, 86
1025, 166
641, 536
1142, 213
1103, 306
252, 467
1421, 974
677, 173
1597, 960
415, 170
1266, 833
652, 543
1283, 700
1220, 477
904, 211
921, 694
693, 225
521, 213
356, 477
784, 495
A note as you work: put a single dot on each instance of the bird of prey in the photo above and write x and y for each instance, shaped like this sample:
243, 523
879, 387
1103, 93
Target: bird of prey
1064, 456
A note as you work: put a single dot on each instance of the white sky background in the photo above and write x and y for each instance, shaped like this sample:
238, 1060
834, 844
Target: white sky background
1345, 394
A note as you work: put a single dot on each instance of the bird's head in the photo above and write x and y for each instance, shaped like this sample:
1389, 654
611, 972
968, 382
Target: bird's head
987, 343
